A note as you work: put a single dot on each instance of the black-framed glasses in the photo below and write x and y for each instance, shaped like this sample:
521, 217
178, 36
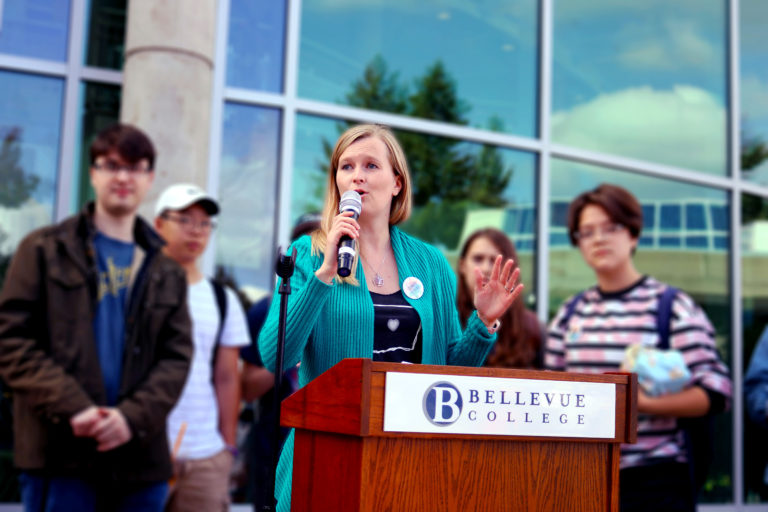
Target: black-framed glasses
187, 223
590, 232
114, 167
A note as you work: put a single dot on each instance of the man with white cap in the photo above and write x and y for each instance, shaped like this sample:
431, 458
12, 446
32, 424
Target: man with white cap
202, 426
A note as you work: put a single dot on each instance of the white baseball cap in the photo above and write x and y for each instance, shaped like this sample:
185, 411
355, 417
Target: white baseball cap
183, 195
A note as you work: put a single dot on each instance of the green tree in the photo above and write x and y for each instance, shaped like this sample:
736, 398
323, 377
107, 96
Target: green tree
448, 176
378, 89
754, 152
15, 186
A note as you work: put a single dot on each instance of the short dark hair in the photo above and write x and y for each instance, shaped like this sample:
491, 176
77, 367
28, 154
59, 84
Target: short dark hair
619, 204
130, 143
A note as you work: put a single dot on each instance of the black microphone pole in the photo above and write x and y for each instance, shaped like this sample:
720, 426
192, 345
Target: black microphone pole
285, 266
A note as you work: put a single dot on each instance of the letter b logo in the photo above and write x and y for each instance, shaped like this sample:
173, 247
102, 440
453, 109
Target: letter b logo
442, 403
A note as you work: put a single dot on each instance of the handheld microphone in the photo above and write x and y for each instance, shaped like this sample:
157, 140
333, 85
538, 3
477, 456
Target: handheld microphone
350, 202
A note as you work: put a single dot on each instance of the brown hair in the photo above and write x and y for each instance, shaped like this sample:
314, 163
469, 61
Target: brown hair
130, 143
519, 338
619, 204
401, 204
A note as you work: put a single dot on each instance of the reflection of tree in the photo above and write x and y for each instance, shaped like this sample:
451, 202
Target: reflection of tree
754, 152
15, 186
448, 178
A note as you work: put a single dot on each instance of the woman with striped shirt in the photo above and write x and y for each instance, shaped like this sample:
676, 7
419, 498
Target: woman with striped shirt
591, 336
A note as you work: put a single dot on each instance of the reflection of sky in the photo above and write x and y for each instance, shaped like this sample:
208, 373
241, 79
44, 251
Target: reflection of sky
489, 49
247, 190
570, 179
256, 41
34, 29
607, 46
754, 75
642, 79
309, 182
33, 104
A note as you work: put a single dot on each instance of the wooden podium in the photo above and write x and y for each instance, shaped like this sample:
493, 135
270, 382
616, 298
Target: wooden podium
344, 460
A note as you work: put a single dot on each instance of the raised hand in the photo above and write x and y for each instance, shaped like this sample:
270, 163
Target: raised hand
494, 296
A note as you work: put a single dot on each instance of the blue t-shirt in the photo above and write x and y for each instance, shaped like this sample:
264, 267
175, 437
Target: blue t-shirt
113, 260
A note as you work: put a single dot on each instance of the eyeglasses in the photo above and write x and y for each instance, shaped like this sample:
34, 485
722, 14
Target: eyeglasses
189, 224
590, 232
114, 167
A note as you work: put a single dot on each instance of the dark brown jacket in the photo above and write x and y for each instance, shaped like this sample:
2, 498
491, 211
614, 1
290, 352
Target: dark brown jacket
48, 355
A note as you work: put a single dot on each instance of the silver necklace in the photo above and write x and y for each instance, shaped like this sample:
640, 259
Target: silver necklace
378, 280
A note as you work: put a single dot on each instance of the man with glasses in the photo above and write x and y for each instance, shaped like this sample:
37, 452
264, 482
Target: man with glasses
202, 426
95, 342
593, 329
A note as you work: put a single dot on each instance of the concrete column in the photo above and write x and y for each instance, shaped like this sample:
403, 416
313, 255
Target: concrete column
167, 84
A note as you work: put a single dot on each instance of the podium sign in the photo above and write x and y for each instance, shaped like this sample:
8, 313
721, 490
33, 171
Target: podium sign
386, 436
459, 404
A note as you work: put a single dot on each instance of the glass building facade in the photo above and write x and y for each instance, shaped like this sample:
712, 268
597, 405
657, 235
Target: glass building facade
506, 110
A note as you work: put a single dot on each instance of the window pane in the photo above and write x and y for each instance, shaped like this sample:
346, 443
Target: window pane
719, 217
100, 107
649, 216
256, 44
496, 185
458, 63
694, 216
700, 269
643, 80
754, 90
559, 214
34, 29
697, 242
106, 34
754, 283
30, 131
670, 217
248, 184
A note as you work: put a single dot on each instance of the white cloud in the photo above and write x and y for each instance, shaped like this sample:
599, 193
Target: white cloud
754, 97
683, 127
681, 45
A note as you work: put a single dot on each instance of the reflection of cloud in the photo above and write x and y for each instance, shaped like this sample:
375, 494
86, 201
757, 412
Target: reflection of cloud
508, 17
247, 192
683, 127
591, 8
754, 97
682, 44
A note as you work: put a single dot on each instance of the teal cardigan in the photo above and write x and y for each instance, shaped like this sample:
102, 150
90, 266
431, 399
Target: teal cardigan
327, 323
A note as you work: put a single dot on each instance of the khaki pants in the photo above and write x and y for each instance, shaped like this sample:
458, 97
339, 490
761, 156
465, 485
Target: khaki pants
201, 485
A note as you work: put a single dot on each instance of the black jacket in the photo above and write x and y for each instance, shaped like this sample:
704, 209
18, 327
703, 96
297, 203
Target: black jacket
48, 354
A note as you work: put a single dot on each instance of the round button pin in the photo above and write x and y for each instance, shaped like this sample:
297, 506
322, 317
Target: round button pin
413, 287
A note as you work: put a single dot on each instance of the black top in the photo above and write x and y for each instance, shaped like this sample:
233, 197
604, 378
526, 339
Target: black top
396, 329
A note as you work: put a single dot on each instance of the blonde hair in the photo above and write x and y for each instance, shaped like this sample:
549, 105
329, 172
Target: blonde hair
400, 209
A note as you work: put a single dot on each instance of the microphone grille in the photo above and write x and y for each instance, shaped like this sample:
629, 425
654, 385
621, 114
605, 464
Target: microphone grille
350, 200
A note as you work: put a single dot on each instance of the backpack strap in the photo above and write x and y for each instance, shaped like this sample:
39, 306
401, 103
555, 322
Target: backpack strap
221, 304
664, 316
570, 307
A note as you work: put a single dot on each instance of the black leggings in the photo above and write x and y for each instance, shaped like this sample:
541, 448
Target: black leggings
664, 487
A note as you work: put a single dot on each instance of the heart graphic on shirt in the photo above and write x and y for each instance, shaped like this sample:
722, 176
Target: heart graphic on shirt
393, 324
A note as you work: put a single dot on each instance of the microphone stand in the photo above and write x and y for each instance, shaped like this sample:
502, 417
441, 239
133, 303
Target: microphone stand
284, 268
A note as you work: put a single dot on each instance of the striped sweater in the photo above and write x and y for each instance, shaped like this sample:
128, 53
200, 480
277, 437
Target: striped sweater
603, 325
327, 323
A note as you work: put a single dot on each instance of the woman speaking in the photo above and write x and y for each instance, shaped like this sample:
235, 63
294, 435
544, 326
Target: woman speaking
398, 301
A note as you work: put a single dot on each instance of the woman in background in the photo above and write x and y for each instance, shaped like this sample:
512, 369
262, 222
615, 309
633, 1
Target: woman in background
519, 339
